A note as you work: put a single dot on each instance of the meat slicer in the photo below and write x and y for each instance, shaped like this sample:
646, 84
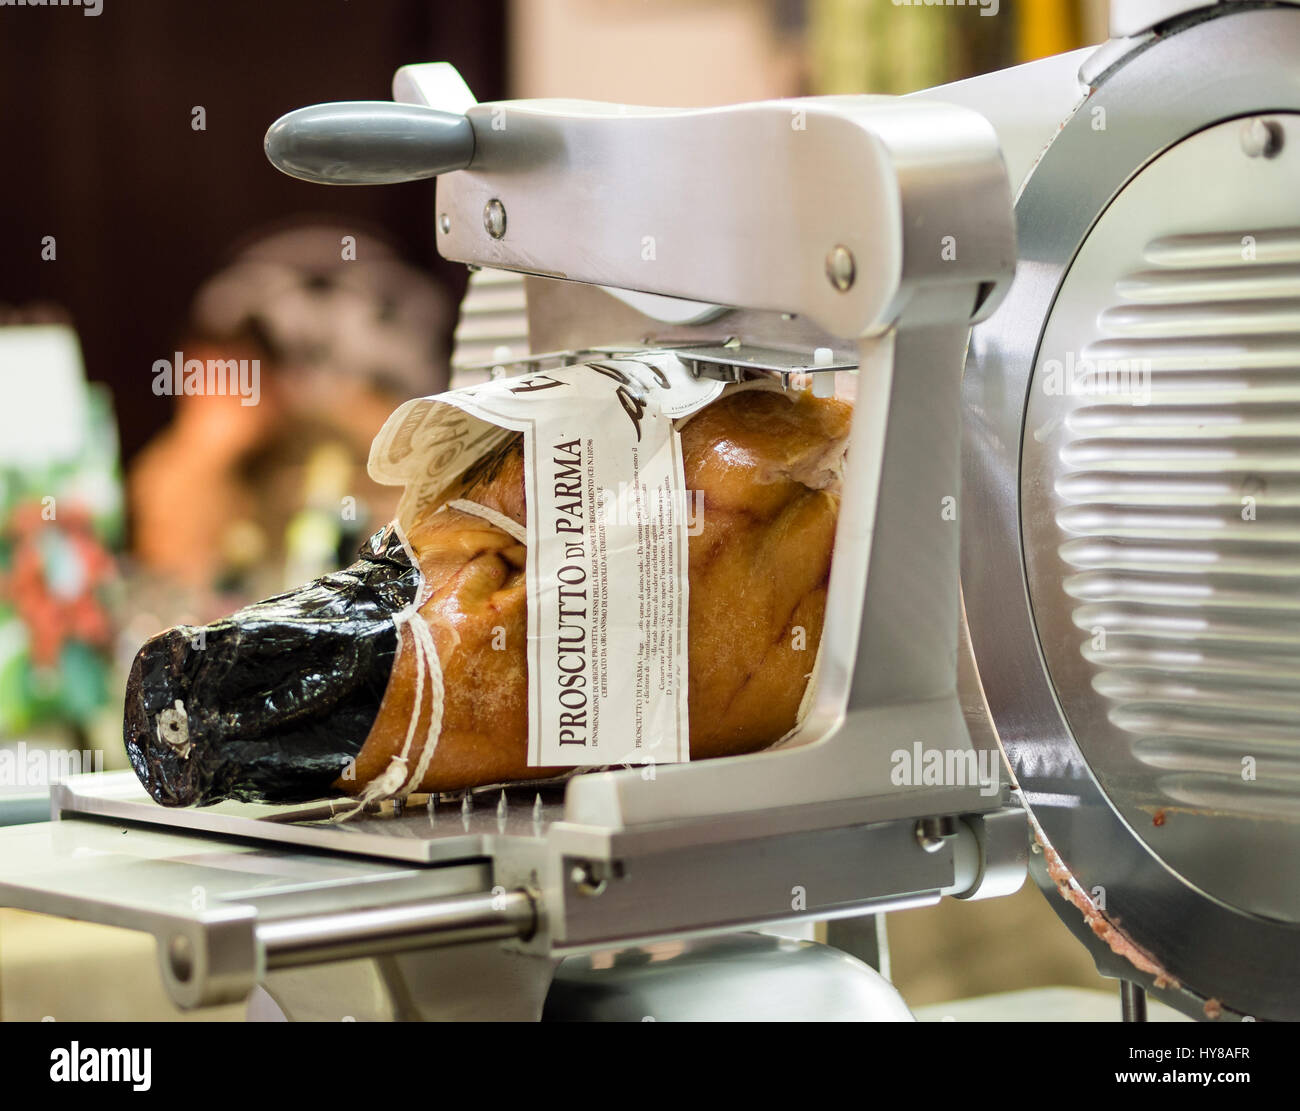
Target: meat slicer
1067, 540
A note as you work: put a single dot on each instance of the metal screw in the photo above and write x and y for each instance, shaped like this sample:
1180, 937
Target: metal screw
444, 222
1261, 138
586, 879
931, 832
494, 218
841, 268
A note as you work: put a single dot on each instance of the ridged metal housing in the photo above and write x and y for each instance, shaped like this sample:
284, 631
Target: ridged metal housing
1184, 518
1161, 509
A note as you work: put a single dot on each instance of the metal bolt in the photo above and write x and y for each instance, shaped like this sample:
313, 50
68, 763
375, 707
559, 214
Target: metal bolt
1261, 138
444, 222
494, 218
841, 268
931, 832
587, 880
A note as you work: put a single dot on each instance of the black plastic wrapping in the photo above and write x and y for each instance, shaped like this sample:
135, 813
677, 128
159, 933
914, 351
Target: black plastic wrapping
278, 698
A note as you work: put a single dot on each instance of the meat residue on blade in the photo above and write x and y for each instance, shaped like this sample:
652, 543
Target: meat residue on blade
1118, 941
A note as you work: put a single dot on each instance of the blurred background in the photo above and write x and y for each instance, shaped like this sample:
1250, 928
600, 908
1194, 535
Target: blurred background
141, 227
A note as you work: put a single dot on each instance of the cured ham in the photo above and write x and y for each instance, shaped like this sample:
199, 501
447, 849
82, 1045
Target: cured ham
316, 692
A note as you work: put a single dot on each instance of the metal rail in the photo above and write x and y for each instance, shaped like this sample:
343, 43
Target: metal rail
319, 938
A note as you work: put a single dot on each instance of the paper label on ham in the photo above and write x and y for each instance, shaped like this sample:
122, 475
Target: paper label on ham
608, 520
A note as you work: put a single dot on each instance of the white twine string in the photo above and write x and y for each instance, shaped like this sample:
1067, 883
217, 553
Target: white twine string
393, 781
491, 516
427, 651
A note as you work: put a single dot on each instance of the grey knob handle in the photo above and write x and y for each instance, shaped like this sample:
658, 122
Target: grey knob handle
369, 142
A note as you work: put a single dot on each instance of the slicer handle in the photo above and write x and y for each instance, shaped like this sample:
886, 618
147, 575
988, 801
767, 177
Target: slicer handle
369, 142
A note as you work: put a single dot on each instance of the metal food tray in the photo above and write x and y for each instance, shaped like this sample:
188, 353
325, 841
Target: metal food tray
451, 830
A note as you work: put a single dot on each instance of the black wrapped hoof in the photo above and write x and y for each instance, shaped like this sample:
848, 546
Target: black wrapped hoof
272, 703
